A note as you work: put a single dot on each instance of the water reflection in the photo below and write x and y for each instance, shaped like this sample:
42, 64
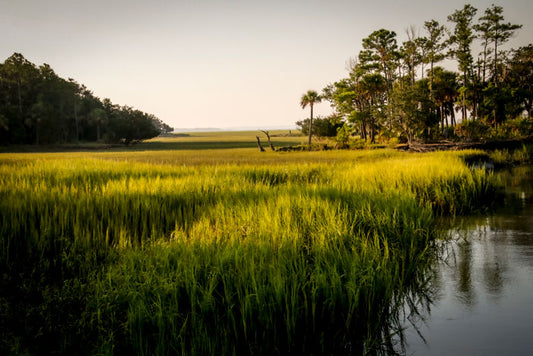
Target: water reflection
484, 282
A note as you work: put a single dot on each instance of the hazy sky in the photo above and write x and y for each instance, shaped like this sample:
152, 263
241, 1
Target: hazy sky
215, 63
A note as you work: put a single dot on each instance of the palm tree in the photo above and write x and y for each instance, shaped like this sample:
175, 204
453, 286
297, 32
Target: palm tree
445, 92
310, 98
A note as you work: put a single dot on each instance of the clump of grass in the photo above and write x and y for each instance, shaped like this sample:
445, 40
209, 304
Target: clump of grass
506, 157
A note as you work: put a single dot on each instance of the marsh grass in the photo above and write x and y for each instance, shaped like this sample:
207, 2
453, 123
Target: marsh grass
228, 253
199, 141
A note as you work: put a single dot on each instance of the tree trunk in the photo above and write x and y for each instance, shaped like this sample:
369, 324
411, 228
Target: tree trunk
484, 61
259, 144
310, 127
19, 96
474, 103
268, 138
452, 114
496, 62
431, 81
372, 133
76, 123
441, 109
463, 94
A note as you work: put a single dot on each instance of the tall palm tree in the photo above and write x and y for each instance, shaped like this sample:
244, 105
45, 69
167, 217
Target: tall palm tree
310, 98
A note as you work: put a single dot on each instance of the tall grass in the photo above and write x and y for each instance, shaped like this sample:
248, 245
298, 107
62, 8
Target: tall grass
111, 254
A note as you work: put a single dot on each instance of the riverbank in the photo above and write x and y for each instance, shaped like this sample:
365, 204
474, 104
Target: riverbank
512, 144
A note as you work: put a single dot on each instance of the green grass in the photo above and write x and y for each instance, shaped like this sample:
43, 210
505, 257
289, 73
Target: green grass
217, 140
227, 251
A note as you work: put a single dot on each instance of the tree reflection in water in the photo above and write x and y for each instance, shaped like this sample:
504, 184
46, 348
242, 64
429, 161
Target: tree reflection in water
482, 280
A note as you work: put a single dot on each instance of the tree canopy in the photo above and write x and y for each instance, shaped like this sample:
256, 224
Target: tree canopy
400, 90
39, 107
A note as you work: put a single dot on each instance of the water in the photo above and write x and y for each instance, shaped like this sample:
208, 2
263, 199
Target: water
483, 287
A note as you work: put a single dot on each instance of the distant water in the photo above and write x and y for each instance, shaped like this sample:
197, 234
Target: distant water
483, 287
234, 128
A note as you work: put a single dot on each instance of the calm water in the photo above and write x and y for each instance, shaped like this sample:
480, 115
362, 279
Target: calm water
483, 288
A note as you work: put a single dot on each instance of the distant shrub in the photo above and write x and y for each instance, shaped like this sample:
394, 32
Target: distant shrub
322, 127
343, 136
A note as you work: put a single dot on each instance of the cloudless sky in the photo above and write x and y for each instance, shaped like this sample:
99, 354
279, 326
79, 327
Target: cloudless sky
216, 63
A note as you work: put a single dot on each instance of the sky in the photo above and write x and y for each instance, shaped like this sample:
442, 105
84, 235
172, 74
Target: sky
216, 63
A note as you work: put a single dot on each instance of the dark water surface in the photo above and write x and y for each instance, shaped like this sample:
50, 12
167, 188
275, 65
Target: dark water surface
483, 287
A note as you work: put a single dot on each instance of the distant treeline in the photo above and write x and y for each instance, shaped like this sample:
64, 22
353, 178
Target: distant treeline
398, 90
39, 107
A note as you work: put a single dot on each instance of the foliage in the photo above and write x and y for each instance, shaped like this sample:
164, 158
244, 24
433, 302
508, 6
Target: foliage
412, 109
521, 77
322, 126
505, 157
343, 135
512, 129
433, 46
462, 37
380, 55
496, 32
472, 130
383, 97
39, 107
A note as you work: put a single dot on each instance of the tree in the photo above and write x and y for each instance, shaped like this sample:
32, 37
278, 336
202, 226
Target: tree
77, 91
322, 126
349, 101
461, 40
380, 55
495, 100
422, 45
382, 97
434, 46
494, 30
128, 125
18, 86
521, 76
310, 99
410, 54
374, 88
38, 113
98, 118
37, 106
20, 73
412, 109
360, 99
343, 135
484, 29
60, 98
445, 92
267, 134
